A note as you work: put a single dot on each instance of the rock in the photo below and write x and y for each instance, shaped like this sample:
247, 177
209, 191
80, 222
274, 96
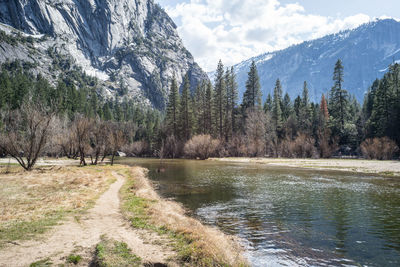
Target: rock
125, 43
121, 154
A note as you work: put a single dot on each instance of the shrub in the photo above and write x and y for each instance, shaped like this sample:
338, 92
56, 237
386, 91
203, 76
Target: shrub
201, 146
326, 144
379, 148
301, 147
172, 148
136, 149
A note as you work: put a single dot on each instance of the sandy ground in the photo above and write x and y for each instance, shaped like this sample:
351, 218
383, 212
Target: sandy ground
82, 236
45, 161
391, 168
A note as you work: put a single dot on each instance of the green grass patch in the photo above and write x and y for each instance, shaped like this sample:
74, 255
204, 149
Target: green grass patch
114, 253
26, 230
41, 263
74, 259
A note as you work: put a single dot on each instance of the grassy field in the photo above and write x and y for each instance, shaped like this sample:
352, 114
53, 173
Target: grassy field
32, 202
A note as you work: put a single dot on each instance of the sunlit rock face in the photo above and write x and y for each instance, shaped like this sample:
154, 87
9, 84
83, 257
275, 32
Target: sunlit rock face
125, 43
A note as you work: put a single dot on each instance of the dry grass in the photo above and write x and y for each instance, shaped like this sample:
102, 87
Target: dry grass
32, 201
197, 244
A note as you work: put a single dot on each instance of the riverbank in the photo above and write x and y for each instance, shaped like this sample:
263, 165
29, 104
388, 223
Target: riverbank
108, 215
385, 168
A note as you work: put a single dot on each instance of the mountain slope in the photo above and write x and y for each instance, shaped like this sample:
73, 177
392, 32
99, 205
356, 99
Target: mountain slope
365, 51
125, 43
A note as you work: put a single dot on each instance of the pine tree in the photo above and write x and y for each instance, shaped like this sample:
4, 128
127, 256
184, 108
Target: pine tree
380, 116
394, 129
234, 98
276, 109
339, 101
305, 112
107, 115
252, 95
185, 111
268, 104
297, 106
173, 108
369, 99
5, 89
286, 107
199, 108
305, 99
209, 108
228, 108
231, 100
220, 100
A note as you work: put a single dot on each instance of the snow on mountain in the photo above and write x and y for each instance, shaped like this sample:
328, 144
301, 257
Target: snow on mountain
366, 52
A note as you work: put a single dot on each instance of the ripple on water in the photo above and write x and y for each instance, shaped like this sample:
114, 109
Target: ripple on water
289, 217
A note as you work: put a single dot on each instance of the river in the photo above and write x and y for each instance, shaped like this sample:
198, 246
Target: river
287, 216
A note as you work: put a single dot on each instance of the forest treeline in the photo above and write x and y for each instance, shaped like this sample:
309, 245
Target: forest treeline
71, 118
281, 127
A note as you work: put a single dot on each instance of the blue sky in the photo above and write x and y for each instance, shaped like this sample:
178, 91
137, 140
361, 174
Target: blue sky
235, 30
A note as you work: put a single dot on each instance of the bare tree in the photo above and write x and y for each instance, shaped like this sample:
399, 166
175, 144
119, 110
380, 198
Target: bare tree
172, 147
81, 128
256, 132
25, 133
116, 138
66, 138
98, 139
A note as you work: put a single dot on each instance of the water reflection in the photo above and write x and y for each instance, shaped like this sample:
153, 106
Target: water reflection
288, 216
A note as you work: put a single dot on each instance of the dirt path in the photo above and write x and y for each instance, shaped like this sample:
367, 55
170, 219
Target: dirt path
83, 235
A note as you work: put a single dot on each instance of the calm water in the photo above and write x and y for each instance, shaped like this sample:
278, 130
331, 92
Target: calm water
287, 216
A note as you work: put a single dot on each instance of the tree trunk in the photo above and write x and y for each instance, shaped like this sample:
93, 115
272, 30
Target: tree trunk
112, 158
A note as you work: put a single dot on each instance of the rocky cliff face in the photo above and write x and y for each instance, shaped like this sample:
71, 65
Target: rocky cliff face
125, 43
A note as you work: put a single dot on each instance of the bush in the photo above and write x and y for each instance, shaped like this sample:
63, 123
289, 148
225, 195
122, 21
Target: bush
301, 147
136, 149
172, 147
201, 146
379, 148
327, 144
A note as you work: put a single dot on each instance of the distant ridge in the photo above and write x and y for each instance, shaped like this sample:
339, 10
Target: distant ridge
366, 52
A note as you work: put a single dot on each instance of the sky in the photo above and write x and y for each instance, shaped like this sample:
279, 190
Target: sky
235, 30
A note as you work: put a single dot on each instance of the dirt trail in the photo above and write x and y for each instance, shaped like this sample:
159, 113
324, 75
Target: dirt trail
104, 218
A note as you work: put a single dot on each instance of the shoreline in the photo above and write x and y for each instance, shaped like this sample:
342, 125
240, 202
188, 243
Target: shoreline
370, 167
196, 243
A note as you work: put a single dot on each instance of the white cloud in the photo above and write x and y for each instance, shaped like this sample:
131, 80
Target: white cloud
235, 30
